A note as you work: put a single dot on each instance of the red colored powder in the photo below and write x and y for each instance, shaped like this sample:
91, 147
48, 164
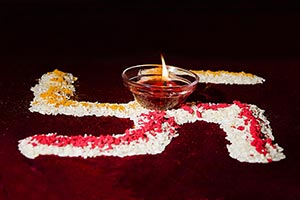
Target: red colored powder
208, 106
199, 115
187, 108
255, 129
150, 122
241, 128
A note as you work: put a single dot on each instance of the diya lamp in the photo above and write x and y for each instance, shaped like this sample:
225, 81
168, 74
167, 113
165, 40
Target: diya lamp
159, 86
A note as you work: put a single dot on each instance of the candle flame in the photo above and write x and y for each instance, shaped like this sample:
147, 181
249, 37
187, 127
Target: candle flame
165, 73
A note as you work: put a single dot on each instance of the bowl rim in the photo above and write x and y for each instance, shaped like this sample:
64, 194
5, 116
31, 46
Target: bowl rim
129, 82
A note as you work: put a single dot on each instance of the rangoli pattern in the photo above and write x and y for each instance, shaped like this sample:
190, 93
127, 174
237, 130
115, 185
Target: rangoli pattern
246, 127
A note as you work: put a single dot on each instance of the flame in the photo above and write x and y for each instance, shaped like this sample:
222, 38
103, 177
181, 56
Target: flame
165, 72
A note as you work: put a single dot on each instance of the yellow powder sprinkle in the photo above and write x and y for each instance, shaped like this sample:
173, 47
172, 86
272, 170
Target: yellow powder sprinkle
133, 105
111, 106
58, 72
67, 91
85, 104
221, 72
60, 95
58, 79
202, 72
70, 103
117, 107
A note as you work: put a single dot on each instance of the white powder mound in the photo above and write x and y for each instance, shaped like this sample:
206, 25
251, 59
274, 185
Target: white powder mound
224, 77
154, 144
217, 77
229, 119
52, 95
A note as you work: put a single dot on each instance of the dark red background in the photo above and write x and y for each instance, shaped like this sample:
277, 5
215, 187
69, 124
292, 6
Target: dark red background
96, 41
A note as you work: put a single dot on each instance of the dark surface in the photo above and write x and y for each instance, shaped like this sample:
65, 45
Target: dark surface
95, 42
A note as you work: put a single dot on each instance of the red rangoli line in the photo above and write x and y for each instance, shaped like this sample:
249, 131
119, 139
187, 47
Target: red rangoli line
259, 142
148, 123
152, 123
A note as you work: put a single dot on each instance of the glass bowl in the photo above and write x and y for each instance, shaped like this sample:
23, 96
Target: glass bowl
150, 91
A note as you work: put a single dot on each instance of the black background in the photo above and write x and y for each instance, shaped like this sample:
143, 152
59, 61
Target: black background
231, 29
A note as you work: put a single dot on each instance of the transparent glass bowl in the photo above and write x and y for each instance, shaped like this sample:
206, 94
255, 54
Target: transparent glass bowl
144, 81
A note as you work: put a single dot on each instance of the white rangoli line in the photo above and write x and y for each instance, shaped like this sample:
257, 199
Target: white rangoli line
153, 130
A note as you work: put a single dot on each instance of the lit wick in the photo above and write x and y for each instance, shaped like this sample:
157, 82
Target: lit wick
165, 73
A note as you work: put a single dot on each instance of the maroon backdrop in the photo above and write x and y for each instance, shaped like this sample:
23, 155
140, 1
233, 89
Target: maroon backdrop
95, 42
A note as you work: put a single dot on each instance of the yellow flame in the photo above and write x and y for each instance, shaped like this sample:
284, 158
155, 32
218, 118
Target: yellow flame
165, 73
